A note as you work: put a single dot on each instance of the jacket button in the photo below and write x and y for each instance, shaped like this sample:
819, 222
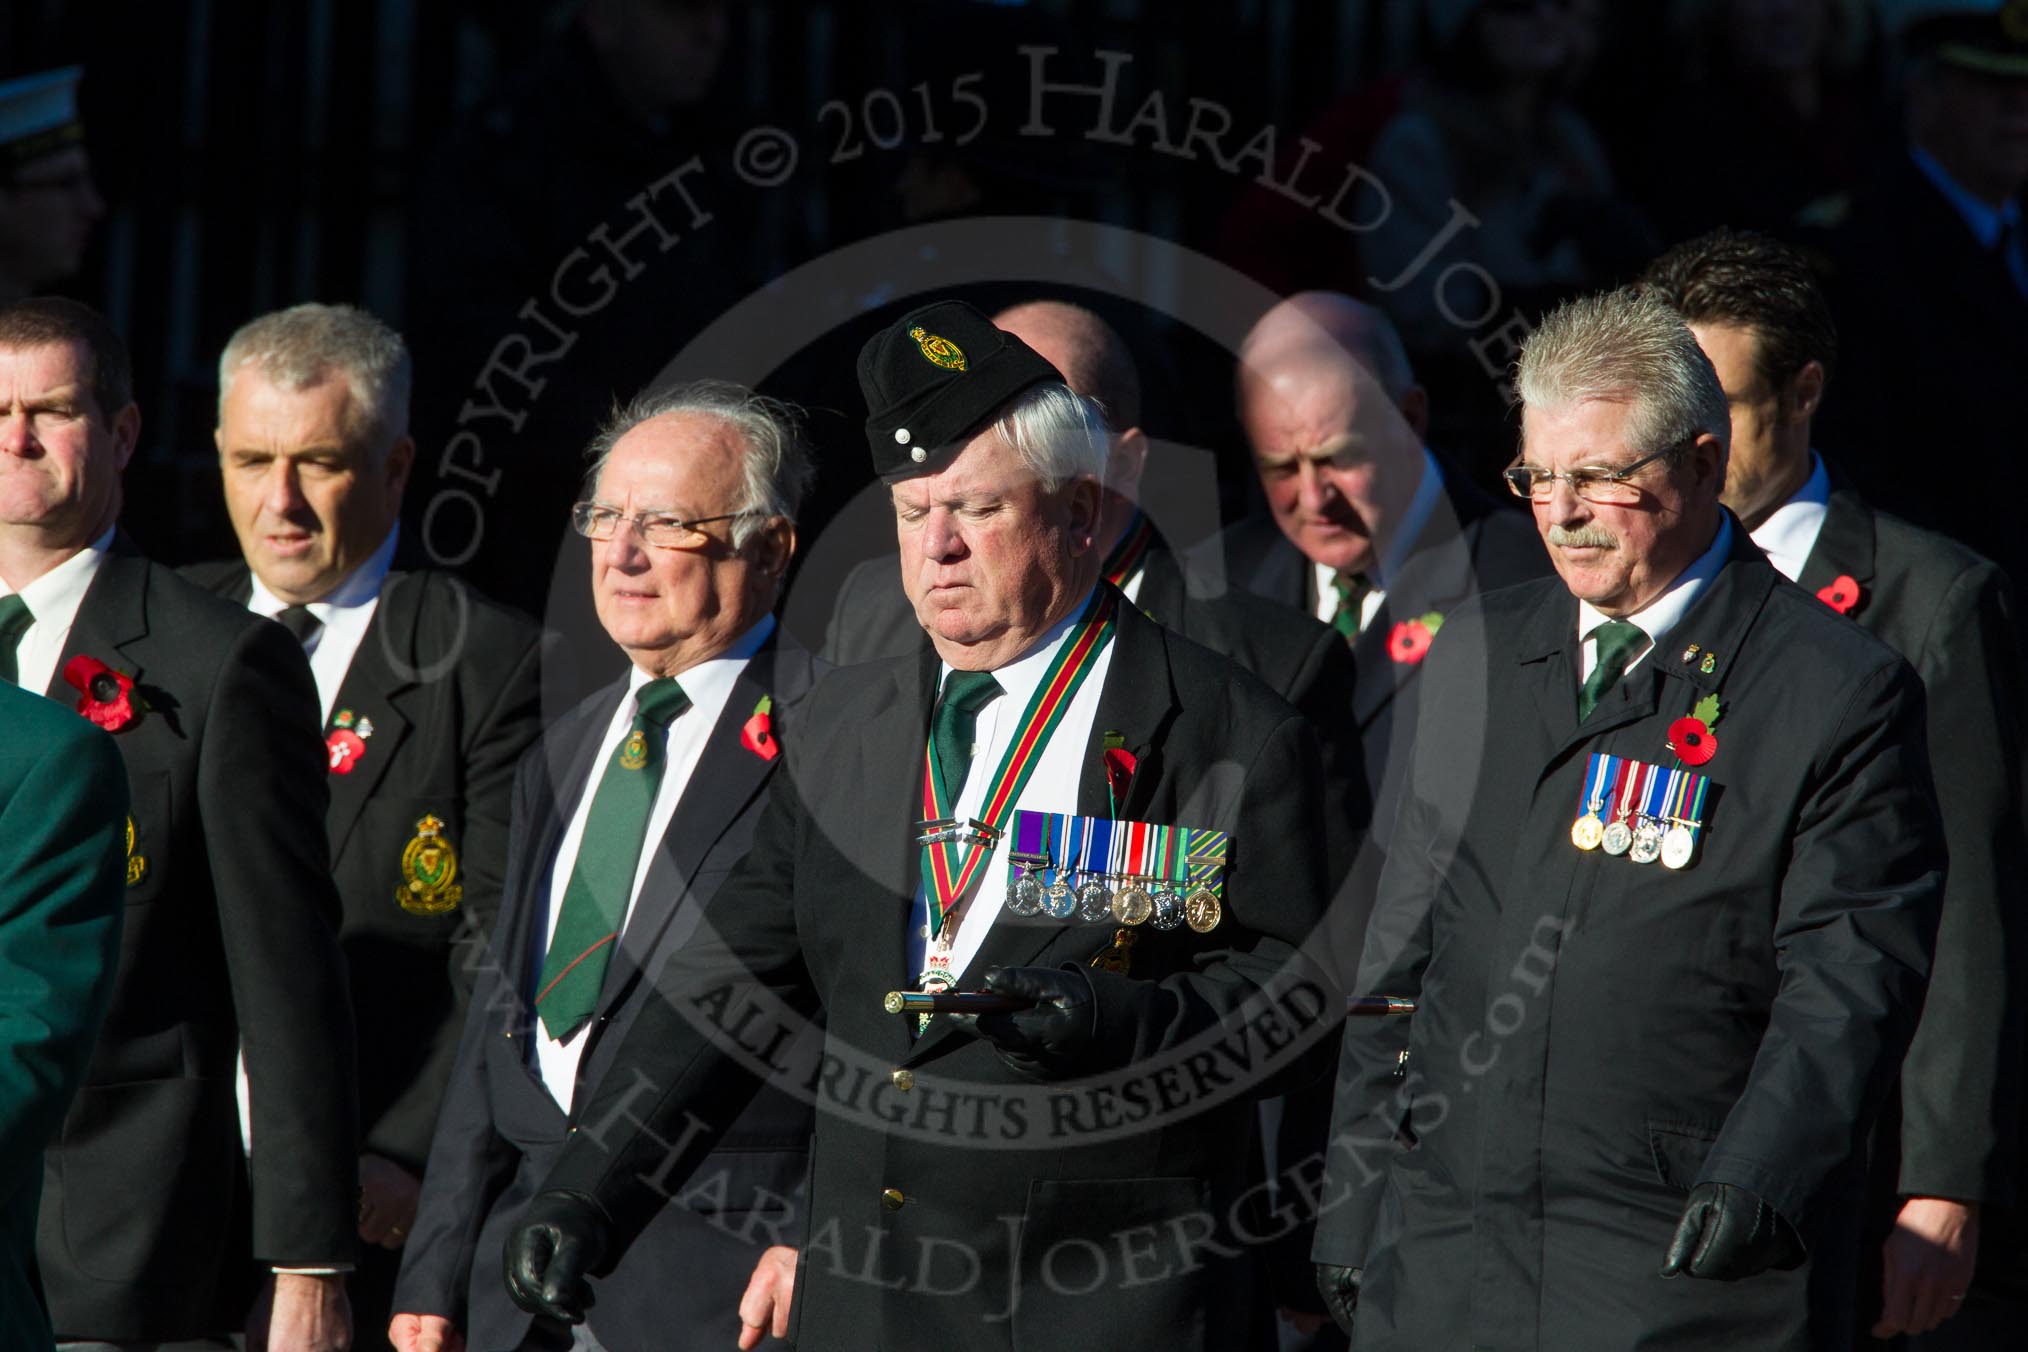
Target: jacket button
893, 1200
904, 1080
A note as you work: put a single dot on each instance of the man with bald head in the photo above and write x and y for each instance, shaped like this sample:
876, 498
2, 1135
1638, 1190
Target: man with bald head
1366, 527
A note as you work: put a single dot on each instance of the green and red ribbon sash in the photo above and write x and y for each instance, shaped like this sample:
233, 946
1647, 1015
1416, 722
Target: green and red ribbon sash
1126, 557
952, 866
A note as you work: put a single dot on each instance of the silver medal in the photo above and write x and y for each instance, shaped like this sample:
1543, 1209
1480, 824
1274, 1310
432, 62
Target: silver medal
1025, 895
1094, 902
1647, 846
1677, 846
1059, 900
1618, 837
1168, 909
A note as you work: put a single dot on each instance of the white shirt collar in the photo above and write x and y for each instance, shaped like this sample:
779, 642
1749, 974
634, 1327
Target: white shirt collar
1790, 532
709, 683
359, 586
1660, 615
1983, 218
54, 597
1019, 678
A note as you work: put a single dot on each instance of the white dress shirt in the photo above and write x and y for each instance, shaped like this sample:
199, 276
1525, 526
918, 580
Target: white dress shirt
345, 613
1052, 788
709, 685
53, 600
1790, 532
1429, 491
1660, 615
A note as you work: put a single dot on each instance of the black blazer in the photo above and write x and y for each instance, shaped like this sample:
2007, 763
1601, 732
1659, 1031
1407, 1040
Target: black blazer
1951, 614
942, 1181
500, 1130
1594, 1036
451, 683
148, 1230
1472, 543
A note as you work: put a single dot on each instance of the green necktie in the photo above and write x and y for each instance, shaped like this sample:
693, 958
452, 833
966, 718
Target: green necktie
956, 724
1618, 641
602, 878
1352, 589
14, 622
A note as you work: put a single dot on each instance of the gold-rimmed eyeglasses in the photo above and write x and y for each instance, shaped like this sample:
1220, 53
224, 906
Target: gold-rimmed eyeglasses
596, 521
1593, 483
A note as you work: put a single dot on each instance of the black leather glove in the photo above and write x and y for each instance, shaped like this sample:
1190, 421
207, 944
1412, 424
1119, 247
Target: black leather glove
1339, 1286
562, 1236
1051, 1035
1728, 1233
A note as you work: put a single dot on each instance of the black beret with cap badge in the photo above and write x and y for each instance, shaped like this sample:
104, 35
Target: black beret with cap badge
934, 378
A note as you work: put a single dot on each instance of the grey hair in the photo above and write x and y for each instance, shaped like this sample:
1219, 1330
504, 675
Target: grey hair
305, 345
1627, 345
775, 469
1059, 434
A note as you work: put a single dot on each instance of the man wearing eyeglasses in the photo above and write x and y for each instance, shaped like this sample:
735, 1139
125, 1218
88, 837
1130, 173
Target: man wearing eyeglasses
48, 203
626, 818
1664, 891
428, 698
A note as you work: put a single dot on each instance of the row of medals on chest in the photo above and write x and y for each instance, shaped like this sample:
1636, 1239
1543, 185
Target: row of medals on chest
1640, 838
1093, 897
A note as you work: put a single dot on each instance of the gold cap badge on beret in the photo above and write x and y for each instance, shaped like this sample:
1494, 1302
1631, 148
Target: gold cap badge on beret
935, 378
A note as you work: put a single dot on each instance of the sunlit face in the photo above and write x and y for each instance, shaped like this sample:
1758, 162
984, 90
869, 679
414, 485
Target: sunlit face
47, 213
1326, 443
673, 608
309, 493
61, 456
1619, 557
989, 558
1761, 467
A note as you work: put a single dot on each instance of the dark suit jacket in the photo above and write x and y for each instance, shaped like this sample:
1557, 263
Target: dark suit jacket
451, 683
63, 864
500, 1130
943, 1181
1951, 614
1594, 1036
231, 940
1927, 406
1471, 543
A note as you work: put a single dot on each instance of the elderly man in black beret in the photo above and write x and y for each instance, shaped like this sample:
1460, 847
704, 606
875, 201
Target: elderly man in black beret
1109, 838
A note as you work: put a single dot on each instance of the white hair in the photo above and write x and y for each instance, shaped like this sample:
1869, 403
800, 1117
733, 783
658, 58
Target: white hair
775, 467
1059, 434
1627, 345
306, 345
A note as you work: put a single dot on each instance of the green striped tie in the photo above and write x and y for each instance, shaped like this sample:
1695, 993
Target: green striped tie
602, 878
1618, 641
14, 622
1352, 589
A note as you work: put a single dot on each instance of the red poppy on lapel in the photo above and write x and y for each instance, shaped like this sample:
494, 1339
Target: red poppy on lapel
1120, 765
1409, 640
105, 696
345, 747
758, 734
1692, 741
1841, 595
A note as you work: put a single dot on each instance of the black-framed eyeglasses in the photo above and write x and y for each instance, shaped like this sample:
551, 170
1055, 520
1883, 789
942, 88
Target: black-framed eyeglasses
1593, 483
596, 521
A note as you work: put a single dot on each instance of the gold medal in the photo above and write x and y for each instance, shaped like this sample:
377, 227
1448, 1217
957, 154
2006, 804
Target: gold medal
1202, 910
429, 872
1132, 905
1587, 832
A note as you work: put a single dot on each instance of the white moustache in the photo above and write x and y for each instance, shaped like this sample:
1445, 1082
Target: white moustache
1592, 537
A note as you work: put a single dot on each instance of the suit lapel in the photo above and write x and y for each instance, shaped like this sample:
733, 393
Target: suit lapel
112, 620
1434, 578
1844, 546
375, 684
